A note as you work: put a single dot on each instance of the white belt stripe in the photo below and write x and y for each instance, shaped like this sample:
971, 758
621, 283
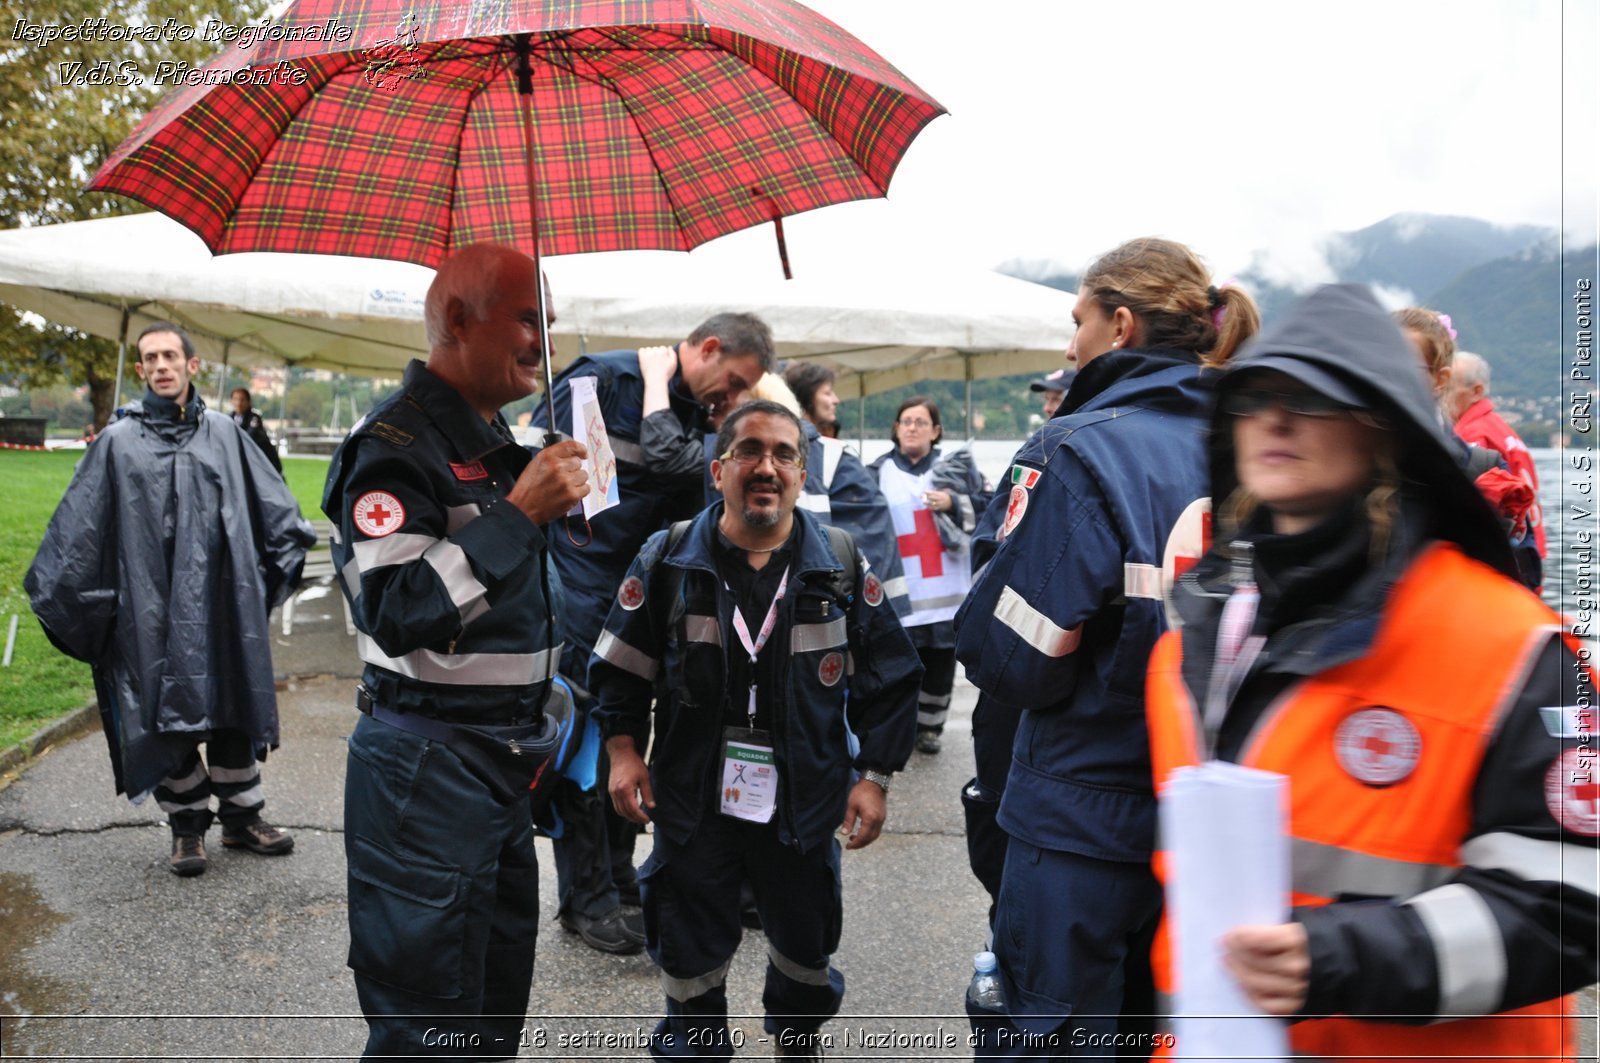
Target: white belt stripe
808, 637
682, 989
815, 503
629, 658
1142, 581
796, 972
1535, 860
920, 604
627, 450
1036, 629
1467, 947
458, 517
697, 628
395, 549
465, 669
455, 572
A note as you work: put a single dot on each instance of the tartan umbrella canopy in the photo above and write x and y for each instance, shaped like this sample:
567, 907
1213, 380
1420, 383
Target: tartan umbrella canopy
398, 129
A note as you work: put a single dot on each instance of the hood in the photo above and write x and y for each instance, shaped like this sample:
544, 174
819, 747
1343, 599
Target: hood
1339, 341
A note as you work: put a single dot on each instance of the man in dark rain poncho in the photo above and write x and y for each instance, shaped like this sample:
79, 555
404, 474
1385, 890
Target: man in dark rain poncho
171, 545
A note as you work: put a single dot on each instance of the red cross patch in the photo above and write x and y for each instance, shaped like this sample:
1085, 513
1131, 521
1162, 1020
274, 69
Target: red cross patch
631, 594
1572, 793
1377, 746
378, 513
830, 668
1015, 508
872, 591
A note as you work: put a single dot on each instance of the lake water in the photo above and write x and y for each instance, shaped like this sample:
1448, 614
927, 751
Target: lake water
1567, 571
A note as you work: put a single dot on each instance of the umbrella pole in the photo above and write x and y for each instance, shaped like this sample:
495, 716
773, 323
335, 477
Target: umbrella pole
524, 71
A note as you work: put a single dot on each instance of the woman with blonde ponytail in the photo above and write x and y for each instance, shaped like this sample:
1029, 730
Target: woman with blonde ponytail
1103, 507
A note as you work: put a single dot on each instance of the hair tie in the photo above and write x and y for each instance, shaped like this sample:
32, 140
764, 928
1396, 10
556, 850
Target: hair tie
1444, 319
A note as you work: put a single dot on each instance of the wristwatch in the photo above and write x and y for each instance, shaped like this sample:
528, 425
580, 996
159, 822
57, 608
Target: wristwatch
879, 777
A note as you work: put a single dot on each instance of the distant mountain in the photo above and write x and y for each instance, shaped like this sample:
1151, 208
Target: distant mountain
1041, 271
1404, 257
1511, 309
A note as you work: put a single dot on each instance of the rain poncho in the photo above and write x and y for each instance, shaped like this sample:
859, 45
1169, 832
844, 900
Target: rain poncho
171, 545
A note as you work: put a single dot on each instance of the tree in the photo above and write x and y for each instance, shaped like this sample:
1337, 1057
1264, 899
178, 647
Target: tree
58, 124
307, 402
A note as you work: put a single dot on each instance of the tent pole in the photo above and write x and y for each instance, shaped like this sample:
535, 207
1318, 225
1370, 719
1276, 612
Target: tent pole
861, 414
122, 348
227, 347
967, 361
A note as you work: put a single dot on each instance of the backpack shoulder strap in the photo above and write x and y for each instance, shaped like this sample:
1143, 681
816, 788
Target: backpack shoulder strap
844, 547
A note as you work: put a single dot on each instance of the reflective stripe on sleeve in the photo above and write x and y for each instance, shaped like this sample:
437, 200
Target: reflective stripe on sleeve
808, 637
1535, 860
1142, 581
1036, 629
450, 562
486, 669
1468, 949
1329, 870
613, 650
698, 628
396, 549
895, 588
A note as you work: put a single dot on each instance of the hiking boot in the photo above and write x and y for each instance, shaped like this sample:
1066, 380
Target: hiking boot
608, 934
188, 855
259, 837
927, 741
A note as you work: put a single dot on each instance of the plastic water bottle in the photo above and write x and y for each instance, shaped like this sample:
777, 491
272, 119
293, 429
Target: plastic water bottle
986, 992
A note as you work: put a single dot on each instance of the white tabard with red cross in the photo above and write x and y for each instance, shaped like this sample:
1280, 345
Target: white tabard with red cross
937, 580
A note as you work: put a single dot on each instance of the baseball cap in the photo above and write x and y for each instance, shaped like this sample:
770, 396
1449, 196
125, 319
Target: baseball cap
1060, 380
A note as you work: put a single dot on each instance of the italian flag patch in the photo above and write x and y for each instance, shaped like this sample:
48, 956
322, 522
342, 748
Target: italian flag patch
1024, 477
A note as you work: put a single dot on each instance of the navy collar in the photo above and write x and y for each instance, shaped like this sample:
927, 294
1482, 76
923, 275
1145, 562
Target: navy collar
470, 435
812, 551
157, 408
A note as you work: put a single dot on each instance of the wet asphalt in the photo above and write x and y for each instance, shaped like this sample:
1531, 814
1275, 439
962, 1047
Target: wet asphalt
105, 954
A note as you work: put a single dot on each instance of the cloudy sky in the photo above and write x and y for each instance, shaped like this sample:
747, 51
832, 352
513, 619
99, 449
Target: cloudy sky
1236, 126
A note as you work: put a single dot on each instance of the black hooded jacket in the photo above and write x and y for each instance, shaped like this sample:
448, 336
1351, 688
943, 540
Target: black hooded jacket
1323, 595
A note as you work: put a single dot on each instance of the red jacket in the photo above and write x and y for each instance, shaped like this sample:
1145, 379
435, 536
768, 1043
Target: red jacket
1479, 424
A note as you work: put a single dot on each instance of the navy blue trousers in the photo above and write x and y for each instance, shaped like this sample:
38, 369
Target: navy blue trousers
691, 919
444, 900
1073, 936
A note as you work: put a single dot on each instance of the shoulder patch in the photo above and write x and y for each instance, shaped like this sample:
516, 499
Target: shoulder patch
1016, 507
378, 513
872, 591
397, 422
1377, 746
631, 594
1572, 793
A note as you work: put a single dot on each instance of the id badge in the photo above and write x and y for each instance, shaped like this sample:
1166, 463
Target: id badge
749, 775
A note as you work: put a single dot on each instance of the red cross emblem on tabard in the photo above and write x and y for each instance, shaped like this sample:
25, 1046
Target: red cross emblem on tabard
923, 544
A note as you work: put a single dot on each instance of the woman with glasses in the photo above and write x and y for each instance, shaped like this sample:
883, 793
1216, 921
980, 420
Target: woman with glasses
1356, 627
1106, 504
935, 501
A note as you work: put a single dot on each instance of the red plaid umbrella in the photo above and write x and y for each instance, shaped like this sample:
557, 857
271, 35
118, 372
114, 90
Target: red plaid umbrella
398, 129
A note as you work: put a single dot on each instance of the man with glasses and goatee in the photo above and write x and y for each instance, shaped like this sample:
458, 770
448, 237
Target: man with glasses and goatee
748, 628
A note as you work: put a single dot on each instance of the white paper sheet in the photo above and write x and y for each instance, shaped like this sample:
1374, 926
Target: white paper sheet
589, 428
1224, 829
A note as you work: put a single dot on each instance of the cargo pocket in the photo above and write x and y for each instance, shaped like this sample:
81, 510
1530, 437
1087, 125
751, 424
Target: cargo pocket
407, 920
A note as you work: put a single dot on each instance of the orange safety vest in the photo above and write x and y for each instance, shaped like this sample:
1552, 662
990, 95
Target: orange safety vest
1394, 839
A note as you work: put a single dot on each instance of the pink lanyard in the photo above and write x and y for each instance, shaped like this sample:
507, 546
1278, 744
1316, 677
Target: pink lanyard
753, 648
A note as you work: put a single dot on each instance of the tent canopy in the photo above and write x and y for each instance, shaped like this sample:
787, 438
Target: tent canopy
882, 327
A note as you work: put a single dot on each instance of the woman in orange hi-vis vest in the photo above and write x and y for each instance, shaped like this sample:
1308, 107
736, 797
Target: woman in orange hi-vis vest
1355, 628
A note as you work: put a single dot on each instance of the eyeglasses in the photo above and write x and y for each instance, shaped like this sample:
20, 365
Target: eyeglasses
917, 422
1247, 402
753, 453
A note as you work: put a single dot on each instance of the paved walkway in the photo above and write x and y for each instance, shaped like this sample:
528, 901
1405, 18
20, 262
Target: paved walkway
104, 954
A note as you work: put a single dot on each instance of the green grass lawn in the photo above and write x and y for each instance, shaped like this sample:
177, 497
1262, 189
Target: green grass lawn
42, 684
